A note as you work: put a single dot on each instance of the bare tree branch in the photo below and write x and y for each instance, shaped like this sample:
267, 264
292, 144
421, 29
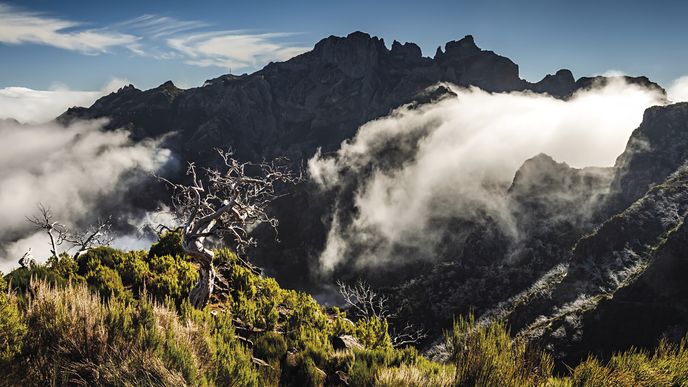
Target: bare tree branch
408, 335
225, 203
93, 236
59, 234
161, 229
56, 231
366, 303
26, 259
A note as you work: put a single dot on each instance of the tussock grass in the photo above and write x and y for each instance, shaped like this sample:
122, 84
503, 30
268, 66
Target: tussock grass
413, 376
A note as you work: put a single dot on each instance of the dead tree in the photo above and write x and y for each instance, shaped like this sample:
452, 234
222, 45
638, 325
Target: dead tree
59, 234
26, 259
95, 235
225, 203
56, 231
408, 335
366, 303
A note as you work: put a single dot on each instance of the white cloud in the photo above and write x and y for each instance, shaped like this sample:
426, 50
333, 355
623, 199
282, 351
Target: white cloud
20, 27
155, 26
154, 36
456, 157
34, 106
614, 73
35, 244
678, 91
234, 49
71, 169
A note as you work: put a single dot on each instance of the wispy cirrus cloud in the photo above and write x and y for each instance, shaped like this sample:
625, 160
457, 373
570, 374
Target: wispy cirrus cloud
156, 26
23, 27
234, 49
155, 36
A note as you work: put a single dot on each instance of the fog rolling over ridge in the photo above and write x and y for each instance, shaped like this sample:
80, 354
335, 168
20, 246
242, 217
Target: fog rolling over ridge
409, 176
78, 171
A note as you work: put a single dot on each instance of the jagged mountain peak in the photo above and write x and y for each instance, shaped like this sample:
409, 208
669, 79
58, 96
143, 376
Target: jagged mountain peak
461, 48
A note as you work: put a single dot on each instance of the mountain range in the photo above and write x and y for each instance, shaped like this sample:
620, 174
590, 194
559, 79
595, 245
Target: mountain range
606, 276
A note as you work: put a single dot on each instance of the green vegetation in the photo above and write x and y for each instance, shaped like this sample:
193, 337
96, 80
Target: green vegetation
121, 318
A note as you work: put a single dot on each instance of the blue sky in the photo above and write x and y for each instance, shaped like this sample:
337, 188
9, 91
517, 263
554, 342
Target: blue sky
84, 44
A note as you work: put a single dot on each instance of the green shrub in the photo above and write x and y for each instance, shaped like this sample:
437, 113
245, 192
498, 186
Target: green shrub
270, 346
170, 243
412, 376
373, 333
12, 326
90, 322
106, 281
486, 355
667, 365
170, 277
308, 374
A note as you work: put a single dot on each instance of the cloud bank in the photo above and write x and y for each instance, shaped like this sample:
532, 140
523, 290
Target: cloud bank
73, 169
455, 159
35, 106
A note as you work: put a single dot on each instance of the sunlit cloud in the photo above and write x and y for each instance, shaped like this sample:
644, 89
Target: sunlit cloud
35, 106
73, 169
678, 91
455, 159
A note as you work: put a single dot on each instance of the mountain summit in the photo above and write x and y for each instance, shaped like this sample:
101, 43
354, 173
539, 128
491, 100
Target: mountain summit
314, 100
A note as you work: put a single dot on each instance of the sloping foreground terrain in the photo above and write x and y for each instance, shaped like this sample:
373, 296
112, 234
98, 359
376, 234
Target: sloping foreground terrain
119, 318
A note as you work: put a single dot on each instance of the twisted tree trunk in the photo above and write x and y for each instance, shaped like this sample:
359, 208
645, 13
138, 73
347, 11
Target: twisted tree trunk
201, 292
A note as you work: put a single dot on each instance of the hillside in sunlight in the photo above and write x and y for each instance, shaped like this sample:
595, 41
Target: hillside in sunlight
111, 317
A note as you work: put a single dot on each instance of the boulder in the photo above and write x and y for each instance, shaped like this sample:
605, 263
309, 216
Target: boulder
346, 342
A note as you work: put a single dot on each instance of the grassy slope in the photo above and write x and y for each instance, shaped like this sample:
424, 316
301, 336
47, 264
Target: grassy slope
121, 318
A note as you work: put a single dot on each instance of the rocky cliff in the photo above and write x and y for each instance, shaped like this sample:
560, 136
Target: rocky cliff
314, 100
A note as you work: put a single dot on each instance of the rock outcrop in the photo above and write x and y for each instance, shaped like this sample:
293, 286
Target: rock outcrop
655, 150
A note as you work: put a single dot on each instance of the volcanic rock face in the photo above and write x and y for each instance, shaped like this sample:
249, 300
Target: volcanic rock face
618, 257
144, 113
573, 285
314, 100
561, 84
